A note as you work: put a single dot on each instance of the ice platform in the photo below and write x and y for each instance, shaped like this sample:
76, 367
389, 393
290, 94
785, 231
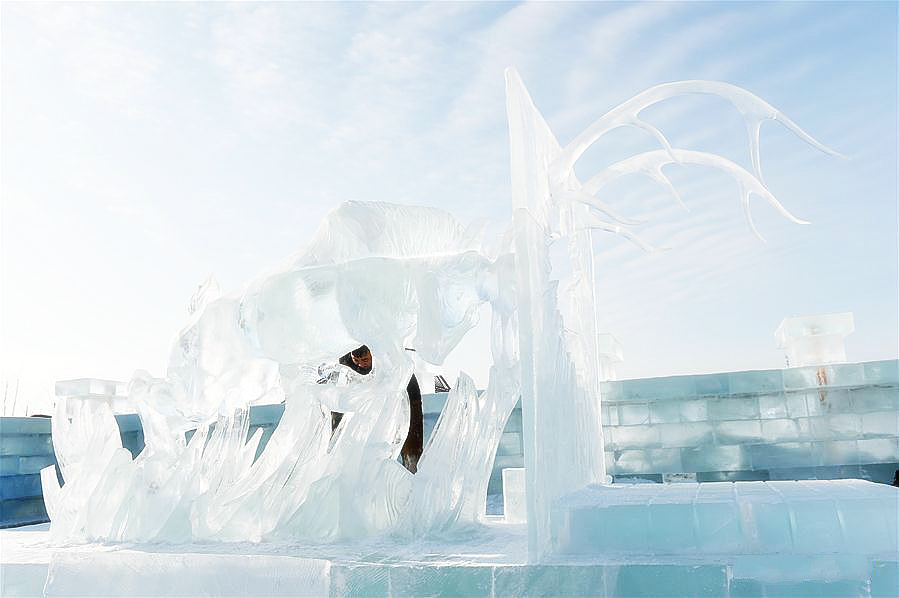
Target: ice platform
747, 539
813, 517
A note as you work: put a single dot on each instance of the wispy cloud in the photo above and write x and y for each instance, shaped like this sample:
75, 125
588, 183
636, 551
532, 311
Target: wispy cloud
229, 130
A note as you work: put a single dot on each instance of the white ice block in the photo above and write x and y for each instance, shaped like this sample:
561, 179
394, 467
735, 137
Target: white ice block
515, 507
815, 340
90, 386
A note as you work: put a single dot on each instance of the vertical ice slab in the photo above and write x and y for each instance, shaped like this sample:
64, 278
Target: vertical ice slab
562, 429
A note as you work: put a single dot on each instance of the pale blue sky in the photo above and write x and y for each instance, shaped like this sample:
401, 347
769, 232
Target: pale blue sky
146, 146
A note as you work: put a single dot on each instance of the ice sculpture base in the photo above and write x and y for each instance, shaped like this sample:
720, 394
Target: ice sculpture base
814, 538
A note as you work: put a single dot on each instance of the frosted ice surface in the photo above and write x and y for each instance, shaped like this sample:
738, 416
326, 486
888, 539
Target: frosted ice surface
130, 573
392, 277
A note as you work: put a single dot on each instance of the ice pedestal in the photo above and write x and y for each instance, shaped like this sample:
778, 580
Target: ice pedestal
515, 507
815, 340
846, 517
610, 355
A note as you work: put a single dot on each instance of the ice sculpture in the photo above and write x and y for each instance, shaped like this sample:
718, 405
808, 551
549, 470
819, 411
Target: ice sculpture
559, 350
392, 277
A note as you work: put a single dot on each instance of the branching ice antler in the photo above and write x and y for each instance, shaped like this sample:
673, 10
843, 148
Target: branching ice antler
570, 196
592, 222
651, 163
645, 163
754, 110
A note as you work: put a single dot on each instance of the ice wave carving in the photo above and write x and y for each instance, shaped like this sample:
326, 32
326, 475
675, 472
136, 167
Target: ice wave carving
390, 277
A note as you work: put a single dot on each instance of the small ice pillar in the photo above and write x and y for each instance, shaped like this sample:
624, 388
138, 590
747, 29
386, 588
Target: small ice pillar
815, 340
112, 392
610, 354
515, 508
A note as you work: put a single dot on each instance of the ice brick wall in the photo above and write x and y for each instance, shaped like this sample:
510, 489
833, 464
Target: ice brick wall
25, 449
836, 421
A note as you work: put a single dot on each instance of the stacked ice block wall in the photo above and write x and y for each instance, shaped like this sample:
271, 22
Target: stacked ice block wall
25, 449
836, 421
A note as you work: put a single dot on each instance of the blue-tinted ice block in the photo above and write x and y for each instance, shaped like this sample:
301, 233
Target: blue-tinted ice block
716, 458
878, 450
633, 461
844, 374
624, 437
629, 415
416, 581
796, 405
834, 427
742, 518
665, 460
885, 579
695, 410
712, 384
738, 432
835, 452
761, 381
660, 388
831, 402
772, 406
882, 372
685, 434
25, 444
665, 412
884, 423
875, 398
780, 430
781, 454
730, 408
544, 580
367, 580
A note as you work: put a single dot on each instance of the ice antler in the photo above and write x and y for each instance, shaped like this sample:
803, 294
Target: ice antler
754, 110
651, 163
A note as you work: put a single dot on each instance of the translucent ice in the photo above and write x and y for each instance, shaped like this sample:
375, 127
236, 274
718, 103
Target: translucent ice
395, 278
